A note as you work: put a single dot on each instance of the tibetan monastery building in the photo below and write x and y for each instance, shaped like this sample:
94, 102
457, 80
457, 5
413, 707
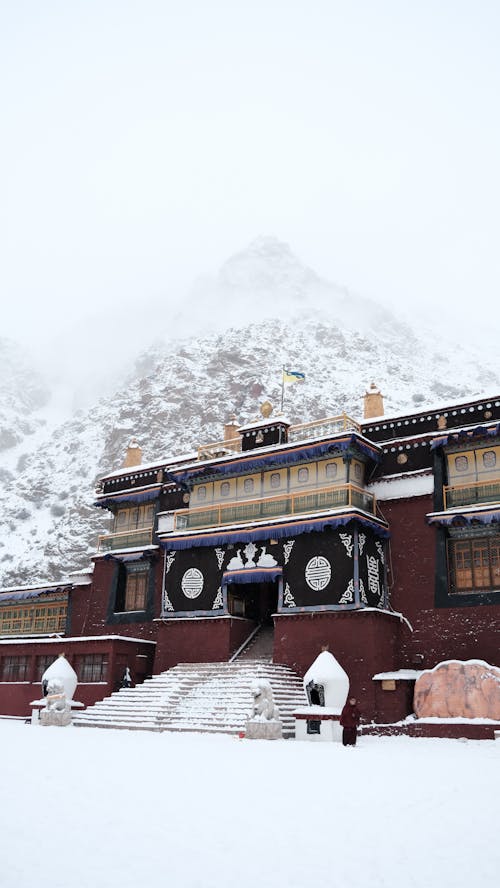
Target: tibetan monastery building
378, 538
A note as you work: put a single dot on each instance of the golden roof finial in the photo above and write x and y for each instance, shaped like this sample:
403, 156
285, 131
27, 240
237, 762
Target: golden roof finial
266, 409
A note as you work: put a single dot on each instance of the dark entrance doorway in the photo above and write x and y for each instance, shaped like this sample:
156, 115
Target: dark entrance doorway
255, 601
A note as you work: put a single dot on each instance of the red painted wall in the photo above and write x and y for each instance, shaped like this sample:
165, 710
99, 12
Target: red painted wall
15, 697
460, 633
199, 640
89, 607
364, 643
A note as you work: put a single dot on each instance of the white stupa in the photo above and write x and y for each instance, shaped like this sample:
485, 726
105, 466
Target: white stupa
63, 670
327, 674
326, 685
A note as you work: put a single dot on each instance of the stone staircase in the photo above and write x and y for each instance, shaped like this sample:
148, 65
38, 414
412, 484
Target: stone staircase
260, 647
206, 697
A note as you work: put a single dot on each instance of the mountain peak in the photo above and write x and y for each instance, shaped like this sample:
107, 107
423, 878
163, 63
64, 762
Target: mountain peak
267, 264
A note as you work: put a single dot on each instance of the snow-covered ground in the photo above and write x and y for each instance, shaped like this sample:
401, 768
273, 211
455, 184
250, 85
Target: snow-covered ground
117, 808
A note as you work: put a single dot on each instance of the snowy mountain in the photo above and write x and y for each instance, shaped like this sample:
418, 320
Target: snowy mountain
23, 392
181, 392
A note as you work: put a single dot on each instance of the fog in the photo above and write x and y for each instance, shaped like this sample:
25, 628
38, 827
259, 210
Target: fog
144, 143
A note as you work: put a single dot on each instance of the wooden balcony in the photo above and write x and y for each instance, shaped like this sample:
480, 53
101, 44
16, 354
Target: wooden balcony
472, 494
127, 539
275, 507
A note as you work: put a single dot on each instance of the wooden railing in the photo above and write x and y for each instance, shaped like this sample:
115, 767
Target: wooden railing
471, 494
275, 507
127, 539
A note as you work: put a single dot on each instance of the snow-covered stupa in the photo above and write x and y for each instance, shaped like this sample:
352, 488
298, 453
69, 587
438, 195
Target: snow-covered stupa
326, 685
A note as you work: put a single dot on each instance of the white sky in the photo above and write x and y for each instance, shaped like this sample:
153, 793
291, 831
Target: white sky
144, 142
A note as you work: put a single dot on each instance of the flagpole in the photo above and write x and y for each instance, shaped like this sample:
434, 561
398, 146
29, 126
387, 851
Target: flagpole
282, 387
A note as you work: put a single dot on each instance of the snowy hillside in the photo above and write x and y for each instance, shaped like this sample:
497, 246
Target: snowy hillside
181, 392
22, 393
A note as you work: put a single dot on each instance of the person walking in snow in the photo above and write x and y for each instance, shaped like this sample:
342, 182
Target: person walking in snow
349, 719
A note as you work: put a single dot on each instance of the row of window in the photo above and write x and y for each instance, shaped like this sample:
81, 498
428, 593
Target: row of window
275, 480
134, 518
27, 619
489, 460
88, 667
474, 564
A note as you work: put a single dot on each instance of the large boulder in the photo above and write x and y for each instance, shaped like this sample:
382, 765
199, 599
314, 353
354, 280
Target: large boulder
458, 689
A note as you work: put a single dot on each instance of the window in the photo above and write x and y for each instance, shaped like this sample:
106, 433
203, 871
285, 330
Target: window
225, 488
475, 564
275, 480
248, 485
303, 475
357, 471
33, 619
15, 668
313, 726
136, 587
134, 519
42, 663
132, 587
461, 463
331, 470
489, 459
201, 493
92, 667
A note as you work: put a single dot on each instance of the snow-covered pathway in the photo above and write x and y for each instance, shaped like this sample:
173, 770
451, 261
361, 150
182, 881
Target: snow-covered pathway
116, 808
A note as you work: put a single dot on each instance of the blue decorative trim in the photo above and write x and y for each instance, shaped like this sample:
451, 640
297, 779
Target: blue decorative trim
277, 531
134, 556
467, 518
249, 575
465, 435
144, 496
271, 460
32, 593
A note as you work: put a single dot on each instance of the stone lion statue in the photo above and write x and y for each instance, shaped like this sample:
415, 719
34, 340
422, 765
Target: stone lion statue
56, 697
264, 707
57, 710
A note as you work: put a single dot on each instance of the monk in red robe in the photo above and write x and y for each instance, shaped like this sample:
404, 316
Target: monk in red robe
349, 720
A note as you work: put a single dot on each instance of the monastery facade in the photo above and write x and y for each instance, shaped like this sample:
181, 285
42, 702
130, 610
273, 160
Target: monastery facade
378, 539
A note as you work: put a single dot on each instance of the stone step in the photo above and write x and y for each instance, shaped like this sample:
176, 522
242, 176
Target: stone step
206, 697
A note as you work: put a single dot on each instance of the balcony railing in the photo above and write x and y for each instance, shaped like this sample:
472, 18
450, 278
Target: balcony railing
219, 448
127, 539
322, 427
333, 425
274, 507
472, 494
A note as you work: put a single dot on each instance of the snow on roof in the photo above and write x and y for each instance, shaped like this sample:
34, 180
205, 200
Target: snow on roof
394, 487
258, 452
438, 410
398, 675
158, 464
464, 510
129, 551
263, 421
35, 588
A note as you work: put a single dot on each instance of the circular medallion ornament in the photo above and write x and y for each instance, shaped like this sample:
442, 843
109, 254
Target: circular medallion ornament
192, 583
318, 573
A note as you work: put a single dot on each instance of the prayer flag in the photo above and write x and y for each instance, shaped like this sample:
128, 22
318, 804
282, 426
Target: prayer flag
293, 376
